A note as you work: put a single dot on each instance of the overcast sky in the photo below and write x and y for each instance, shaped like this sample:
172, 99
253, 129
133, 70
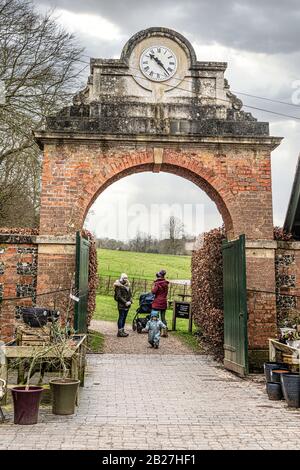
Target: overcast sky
259, 40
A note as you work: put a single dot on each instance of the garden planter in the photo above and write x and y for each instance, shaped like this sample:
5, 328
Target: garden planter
64, 393
277, 373
26, 404
274, 391
269, 366
291, 389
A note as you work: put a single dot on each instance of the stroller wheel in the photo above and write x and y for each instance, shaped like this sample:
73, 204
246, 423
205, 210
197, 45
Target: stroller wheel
134, 325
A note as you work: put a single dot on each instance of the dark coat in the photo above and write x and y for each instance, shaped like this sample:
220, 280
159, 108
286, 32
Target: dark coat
122, 295
160, 290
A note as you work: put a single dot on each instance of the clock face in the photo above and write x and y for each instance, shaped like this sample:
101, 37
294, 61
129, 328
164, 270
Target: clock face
158, 63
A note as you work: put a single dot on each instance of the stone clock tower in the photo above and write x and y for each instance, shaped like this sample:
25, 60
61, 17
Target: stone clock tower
158, 86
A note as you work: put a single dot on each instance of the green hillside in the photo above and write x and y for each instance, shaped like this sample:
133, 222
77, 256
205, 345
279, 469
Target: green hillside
142, 265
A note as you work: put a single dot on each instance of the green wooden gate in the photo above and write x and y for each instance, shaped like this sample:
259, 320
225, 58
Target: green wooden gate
81, 283
235, 306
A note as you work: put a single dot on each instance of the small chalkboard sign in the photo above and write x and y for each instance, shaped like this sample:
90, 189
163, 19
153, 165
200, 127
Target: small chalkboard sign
182, 310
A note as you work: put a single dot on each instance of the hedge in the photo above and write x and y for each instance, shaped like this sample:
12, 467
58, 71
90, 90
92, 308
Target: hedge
207, 291
93, 275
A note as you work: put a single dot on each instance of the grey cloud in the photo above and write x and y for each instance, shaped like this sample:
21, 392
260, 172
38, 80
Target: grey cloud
270, 26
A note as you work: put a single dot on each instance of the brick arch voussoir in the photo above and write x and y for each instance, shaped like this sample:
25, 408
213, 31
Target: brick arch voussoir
208, 188
112, 177
204, 178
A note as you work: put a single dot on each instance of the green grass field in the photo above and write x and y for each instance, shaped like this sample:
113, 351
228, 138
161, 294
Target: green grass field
142, 265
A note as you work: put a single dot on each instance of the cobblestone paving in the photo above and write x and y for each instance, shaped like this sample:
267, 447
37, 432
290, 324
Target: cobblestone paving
162, 402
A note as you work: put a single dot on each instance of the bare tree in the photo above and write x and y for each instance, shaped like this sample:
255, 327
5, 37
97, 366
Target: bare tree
39, 66
137, 243
175, 233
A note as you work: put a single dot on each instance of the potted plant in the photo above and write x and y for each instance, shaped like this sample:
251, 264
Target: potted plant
291, 389
290, 329
269, 366
56, 354
64, 389
27, 398
274, 391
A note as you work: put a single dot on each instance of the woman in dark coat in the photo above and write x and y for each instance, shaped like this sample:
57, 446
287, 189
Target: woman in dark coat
123, 296
160, 290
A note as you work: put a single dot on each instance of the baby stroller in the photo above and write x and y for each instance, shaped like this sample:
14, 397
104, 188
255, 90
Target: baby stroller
143, 312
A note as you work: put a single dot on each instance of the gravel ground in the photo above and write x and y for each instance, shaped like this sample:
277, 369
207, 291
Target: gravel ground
136, 343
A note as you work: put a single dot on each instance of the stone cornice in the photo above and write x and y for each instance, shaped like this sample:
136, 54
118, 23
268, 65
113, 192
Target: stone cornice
57, 137
56, 240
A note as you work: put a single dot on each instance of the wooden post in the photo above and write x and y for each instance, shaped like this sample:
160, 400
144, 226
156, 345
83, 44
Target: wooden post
190, 322
4, 375
174, 317
272, 351
81, 359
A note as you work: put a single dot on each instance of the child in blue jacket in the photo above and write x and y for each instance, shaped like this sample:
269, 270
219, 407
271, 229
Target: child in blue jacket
154, 325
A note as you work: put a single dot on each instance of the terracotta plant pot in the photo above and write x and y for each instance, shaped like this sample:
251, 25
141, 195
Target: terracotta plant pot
291, 389
268, 366
64, 393
26, 404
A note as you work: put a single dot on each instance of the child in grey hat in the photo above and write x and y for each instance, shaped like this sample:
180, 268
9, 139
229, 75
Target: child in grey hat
153, 327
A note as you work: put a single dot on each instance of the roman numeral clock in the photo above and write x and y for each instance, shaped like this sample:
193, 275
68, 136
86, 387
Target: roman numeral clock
158, 63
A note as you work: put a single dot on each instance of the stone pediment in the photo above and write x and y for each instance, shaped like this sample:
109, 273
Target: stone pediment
193, 98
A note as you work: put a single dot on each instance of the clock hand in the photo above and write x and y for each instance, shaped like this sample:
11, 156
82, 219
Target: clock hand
159, 62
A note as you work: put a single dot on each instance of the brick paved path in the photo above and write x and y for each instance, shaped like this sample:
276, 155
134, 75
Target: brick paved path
198, 405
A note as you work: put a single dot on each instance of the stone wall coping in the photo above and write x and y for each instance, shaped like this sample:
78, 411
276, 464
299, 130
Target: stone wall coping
17, 239
58, 137
56, 240
122, 64
273, 244
287, 245
261, 244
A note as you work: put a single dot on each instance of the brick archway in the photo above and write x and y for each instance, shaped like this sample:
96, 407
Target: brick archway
237, 180
191, 125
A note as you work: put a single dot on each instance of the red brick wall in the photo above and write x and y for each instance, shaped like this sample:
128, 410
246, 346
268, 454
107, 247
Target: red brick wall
18, 254
56, 273
261, 297
287, 277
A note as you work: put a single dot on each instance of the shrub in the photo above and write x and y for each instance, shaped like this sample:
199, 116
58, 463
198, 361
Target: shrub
207, 291
280, 234
93, 275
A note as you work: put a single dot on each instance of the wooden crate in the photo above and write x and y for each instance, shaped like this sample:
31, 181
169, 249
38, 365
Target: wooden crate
28, 336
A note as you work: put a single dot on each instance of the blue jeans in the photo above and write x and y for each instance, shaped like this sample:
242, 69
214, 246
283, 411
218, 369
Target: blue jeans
122, 318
